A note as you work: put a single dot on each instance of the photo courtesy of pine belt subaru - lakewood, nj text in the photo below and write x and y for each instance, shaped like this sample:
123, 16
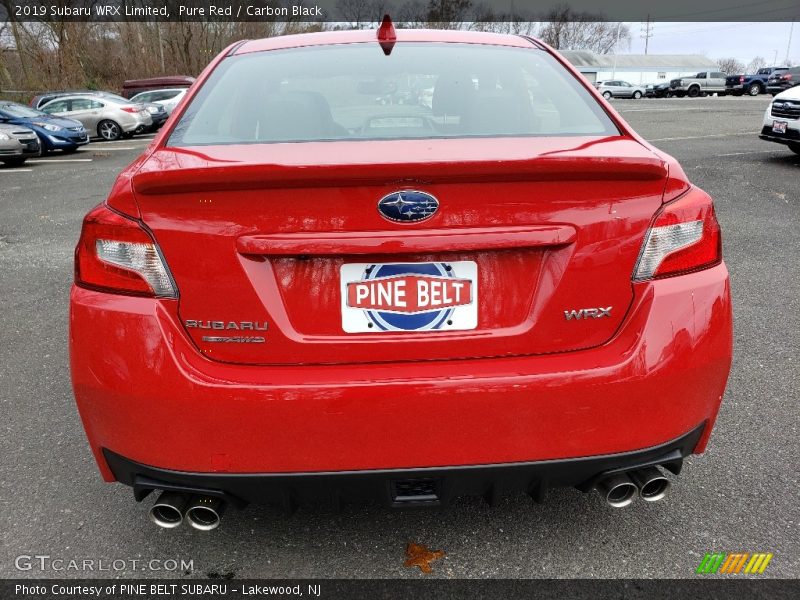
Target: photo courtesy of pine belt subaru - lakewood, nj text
401, 266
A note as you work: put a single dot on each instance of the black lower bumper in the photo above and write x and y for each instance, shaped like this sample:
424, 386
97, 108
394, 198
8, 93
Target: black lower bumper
791, 137
401, 487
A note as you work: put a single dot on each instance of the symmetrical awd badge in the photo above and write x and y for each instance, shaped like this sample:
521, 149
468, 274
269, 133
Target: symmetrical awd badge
408, 206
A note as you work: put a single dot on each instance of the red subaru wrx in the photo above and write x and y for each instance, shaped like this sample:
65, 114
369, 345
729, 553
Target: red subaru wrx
403, 268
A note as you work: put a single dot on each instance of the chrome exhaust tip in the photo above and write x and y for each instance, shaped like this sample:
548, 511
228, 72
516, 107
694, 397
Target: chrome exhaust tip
167, 512
652, 483
205, 512
618, 490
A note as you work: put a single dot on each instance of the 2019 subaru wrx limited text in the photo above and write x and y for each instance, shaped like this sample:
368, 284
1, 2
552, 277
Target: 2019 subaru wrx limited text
300, 294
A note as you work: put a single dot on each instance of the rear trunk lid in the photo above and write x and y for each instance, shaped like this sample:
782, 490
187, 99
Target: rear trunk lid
281, 255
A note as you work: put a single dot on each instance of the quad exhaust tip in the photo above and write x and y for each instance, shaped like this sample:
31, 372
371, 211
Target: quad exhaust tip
205, 512
201, 512
653, 485
167, 512
618, 490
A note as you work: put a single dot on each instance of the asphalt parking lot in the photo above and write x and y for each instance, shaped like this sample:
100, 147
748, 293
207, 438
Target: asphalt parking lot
742, 495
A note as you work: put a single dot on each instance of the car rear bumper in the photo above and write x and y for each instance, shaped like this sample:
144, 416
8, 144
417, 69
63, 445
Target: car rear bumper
777, 89
397, 488
145, 393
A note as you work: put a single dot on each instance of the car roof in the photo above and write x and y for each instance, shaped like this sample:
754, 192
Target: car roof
83, 97
157, 90
369, 35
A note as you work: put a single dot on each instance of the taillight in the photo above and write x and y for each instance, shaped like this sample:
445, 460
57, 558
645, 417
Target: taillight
741, 79
117, 254
786, 77
129, 109
683, 237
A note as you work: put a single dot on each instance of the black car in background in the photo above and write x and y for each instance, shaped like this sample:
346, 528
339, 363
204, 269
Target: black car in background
657, 90
783, 80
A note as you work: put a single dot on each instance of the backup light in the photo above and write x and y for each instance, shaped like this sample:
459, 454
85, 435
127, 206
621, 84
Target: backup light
684, 237
140, 258
117, 254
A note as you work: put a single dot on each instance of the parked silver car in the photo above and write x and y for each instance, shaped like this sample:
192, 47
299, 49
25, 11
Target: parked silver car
109, 117
619, 89
168, 98
17, 144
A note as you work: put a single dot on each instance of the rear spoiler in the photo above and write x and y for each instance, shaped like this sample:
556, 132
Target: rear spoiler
239, 176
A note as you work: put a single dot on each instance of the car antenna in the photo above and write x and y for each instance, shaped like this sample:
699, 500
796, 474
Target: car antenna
387, 36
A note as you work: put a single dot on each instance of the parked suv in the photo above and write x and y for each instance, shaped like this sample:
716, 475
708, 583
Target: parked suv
782, 120
620, 89
132, 87
169, 98
780, 82
108, 117
294, 295
705, 82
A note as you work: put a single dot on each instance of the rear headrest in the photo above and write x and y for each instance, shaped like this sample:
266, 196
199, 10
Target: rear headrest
500, 112
452, 95
296, 116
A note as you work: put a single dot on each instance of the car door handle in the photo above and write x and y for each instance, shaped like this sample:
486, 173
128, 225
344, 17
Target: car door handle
391, 242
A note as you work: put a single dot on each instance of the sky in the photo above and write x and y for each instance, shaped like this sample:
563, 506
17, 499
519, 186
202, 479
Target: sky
742, 41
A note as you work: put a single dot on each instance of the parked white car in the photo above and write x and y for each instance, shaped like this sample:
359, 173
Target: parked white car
168, 98
109, 117
782, 120
619, 89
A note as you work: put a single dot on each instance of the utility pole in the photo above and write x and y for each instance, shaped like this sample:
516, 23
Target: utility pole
647, 32
789, 45
614, 72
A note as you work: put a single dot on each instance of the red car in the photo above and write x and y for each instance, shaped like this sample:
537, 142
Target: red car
300, 294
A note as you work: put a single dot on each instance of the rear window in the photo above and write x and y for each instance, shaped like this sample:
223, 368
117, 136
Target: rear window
422, 90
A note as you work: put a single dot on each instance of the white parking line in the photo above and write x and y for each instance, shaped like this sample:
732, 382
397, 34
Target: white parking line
15, 170
58, 160
753, 152
128, 141
698, 137
624, 110
119, 148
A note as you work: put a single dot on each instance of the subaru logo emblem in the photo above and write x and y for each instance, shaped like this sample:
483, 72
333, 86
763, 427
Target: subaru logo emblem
408, 206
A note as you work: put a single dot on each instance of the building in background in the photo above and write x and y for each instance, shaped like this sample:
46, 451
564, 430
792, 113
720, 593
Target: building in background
637, 68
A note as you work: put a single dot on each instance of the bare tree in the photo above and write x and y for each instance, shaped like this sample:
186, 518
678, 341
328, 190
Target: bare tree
565, 29
361, 13
54, 54
448, 14
757, 63
485, 19
411, 14
730, 66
